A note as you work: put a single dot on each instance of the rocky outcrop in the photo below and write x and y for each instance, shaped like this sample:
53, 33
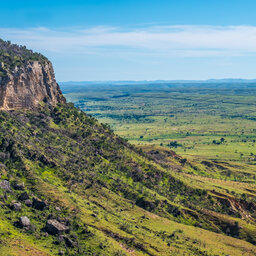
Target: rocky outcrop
39, 204
5, 185
27, 85
23, 196
54, 227
24, 221
15, 206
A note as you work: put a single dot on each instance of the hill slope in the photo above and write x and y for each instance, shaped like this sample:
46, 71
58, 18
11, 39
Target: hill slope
111, 197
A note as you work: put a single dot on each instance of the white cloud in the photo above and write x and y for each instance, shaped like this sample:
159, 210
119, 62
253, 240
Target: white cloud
185, 41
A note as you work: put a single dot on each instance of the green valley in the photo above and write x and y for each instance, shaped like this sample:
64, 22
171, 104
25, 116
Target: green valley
198, 121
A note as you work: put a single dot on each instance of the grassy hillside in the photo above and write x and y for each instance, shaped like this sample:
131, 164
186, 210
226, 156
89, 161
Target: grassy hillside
114, 198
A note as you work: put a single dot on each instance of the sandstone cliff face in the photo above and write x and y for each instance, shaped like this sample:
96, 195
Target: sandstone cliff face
24, 87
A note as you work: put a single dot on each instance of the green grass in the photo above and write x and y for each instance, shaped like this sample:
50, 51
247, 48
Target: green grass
119, 200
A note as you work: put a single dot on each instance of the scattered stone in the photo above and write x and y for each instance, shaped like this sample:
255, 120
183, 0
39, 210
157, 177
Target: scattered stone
61, 238
24, 221
51, 216
57, 242
16, 206
33, 228
67, 221
61, 252
5, 184
198, 225
28, 203
2, 166
2, 156
57, 209
39, 204
23, 196
69, 242
18, 186
54, 227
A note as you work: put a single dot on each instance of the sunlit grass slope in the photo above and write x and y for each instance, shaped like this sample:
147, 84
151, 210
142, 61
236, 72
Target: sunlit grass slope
115, 198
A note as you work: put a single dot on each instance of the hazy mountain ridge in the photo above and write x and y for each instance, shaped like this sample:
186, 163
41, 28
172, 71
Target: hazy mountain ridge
130, 82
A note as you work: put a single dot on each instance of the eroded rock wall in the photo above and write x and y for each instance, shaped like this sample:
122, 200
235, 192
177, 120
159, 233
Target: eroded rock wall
25, 87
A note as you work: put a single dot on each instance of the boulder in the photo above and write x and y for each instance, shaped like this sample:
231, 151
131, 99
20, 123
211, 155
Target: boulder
61, 252
23, 196
28, 203
32, 228
5, 184
2, 156
57, 209
16, 206
39, 204
2, 166
55, 228
70, 243
61, 238
19, 186
24, 221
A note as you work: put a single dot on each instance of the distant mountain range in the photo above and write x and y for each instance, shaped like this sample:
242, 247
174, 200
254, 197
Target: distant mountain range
130, 82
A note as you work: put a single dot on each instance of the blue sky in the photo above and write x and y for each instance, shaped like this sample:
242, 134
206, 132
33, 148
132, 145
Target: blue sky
137, 40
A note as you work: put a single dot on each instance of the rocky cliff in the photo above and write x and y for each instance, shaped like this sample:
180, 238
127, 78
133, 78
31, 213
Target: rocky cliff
26, 79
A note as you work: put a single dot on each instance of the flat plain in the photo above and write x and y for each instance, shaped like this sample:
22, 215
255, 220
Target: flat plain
198, 121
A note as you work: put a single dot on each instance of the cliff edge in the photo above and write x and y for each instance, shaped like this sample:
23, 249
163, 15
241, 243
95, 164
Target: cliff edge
26, 79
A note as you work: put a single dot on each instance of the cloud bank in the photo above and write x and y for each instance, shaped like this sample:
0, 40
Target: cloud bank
183, 41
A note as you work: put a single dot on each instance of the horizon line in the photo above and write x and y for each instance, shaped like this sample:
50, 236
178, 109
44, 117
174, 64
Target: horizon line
160, 80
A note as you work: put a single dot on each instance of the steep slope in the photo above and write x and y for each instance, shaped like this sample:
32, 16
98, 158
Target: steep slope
112, 197
70, 186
